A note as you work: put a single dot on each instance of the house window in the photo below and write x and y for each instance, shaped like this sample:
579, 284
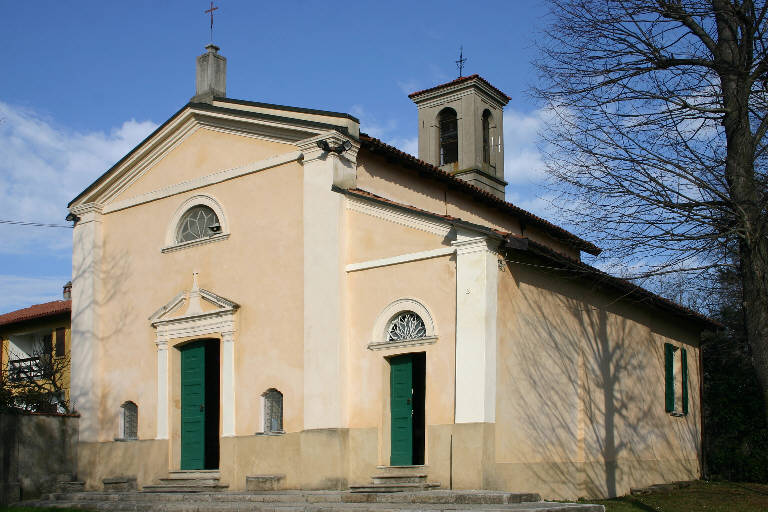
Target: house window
273, 411
675, 380
60, 346
449, 136
406, 326
487, 136
130, 423
197, 223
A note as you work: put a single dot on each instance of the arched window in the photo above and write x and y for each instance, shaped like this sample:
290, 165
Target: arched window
130, 421
273, 411
197, 223
487, 136
449, 136
406, 326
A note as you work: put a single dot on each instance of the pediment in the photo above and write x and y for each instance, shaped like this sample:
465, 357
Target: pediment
112, 185
193, 304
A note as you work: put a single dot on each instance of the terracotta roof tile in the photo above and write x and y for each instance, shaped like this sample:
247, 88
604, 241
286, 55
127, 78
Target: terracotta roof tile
56, 307
458, 81
376, 146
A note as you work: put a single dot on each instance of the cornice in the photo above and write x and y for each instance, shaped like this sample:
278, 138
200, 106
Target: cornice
398, 216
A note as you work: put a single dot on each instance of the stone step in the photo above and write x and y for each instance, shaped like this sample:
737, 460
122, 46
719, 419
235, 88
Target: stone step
185, 487
399, 479
393, 487
194, 473
402, 470
228, 506
423, 497
187, 481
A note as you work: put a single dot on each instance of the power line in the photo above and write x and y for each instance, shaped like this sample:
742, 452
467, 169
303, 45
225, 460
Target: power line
34, 224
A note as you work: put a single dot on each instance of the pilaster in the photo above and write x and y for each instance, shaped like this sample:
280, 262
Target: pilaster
162, 388
476, 314
228, 383
85, 350
324, 297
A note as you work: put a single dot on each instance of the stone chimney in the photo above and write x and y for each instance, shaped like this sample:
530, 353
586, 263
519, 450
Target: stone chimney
211, 76
67, 293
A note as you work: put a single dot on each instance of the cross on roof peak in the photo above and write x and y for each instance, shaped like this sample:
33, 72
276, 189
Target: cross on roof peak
210, 11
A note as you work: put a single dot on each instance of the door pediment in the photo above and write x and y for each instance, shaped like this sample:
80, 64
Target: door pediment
194, 312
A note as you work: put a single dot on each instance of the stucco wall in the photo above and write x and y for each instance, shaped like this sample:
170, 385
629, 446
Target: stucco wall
376, 175
260, 259
580, 402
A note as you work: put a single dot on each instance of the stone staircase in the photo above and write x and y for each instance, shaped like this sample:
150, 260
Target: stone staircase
397, 479
307, 501
189, 482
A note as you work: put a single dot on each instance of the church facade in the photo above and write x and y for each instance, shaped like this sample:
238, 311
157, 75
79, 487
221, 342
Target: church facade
265, 290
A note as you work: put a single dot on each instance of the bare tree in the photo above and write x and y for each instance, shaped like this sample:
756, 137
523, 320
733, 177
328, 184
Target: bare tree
37, 383
658, 137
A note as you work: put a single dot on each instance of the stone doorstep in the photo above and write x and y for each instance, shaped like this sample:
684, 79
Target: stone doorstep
399, 479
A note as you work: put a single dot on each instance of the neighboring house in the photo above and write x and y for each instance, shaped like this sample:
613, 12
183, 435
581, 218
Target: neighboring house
36, 340
265, 290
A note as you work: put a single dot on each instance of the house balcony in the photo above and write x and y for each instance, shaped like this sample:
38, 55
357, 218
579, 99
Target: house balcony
25, 370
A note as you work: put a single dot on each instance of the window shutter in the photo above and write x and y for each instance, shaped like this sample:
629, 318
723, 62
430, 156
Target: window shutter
684, 368
60, 343
669, 377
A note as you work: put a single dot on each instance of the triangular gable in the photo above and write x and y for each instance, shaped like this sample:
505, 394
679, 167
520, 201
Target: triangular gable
277, 128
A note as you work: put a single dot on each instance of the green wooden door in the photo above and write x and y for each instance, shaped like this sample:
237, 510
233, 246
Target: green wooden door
401, 407
193, 406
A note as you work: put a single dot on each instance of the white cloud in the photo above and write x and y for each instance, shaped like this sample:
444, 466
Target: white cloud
20, 291
43, 166
523, 162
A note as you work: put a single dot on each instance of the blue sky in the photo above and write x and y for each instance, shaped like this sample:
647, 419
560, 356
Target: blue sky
85, 81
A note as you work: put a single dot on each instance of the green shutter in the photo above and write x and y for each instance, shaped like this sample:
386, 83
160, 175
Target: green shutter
684, 367
669, 377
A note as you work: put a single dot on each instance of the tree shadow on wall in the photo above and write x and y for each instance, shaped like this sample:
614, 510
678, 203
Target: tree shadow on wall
582, 375
112, 274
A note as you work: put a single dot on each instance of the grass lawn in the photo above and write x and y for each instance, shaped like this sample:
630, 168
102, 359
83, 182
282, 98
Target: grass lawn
700, 496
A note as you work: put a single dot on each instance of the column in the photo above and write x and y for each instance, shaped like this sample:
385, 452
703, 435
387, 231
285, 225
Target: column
162, 388
476, 312
228, 384
85, 348
323, 279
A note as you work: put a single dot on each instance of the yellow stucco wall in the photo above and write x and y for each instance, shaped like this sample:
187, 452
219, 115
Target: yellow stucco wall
580, 401
261, 258
376, 175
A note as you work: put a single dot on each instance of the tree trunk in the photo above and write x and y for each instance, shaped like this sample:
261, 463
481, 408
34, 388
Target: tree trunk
734, 65
755, 290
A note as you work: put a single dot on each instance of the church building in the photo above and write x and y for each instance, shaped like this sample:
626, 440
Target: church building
266, 292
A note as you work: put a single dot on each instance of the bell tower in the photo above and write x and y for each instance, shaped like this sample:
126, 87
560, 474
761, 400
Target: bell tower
461, 131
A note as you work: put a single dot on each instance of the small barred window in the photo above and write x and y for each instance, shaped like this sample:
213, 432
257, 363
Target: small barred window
130, 420
198, 222
273, 411
406, 326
